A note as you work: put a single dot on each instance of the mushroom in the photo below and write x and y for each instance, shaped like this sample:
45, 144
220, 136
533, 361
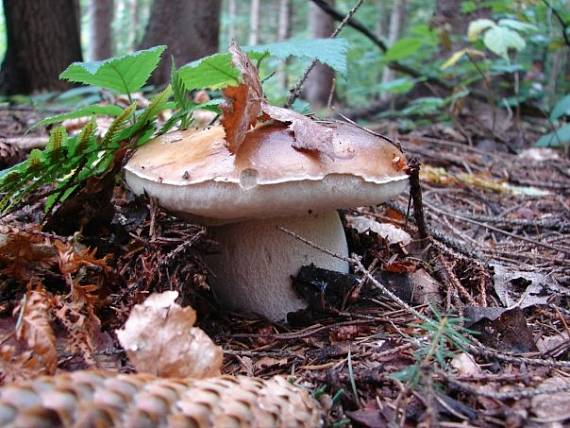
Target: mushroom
247, 197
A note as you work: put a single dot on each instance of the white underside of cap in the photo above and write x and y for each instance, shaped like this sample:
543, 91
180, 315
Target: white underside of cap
217, 202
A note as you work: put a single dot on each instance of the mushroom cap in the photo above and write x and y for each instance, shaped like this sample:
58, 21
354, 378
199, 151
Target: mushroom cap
192, 173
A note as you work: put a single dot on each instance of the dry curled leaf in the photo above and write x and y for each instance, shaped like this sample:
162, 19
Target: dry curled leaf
82, 325
160, 339
390, 233
35, 327
24, 253
243, 102
16, 367
309, 135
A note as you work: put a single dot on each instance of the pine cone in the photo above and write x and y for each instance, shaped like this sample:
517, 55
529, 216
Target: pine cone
104, 399
9, 154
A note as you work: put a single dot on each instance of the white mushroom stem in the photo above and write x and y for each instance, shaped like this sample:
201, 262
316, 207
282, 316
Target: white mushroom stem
257, 260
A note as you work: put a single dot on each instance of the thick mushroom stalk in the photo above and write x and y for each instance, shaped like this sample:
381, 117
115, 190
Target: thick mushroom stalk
267, 183
257, 260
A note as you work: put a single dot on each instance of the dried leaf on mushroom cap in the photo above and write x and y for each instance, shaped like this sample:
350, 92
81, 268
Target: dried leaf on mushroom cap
243, 102
309, 135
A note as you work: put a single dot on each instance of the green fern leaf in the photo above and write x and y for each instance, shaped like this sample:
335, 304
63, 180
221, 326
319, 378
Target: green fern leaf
117, 125
92, 110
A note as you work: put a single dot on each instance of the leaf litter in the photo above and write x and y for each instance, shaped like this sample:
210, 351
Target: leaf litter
80, 294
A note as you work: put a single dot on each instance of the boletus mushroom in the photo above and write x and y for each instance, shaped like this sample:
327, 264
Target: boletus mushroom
245, 196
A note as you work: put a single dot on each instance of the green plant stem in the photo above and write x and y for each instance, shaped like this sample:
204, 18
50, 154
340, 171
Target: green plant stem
491, 94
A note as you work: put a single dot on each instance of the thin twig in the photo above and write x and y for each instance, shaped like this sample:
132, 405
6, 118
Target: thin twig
503, 395
498, 230
416, 194
296, 91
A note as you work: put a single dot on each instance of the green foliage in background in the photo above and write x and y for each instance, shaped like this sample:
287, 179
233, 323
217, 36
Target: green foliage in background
69, 161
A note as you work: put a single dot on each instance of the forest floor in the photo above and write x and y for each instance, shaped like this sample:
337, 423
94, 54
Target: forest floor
496, 261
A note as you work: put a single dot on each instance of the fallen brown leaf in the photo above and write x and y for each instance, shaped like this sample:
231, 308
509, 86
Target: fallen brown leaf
159, 338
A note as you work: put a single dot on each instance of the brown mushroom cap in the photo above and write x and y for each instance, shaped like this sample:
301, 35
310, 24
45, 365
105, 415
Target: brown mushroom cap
193, 172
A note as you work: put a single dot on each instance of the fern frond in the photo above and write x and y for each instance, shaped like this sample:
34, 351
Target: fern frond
179, 89
55, 149
156, 105
117, 125
82, 140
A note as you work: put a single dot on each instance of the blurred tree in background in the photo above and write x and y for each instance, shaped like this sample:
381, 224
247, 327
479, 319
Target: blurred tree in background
397, 59
42, 40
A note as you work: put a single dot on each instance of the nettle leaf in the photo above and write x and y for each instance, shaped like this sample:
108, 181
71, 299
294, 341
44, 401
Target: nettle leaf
217, 71
477, 27
124, 74
513, 24
555, 139
92, 110
403, 48
561, 108
500, 39
212, 72
332, 52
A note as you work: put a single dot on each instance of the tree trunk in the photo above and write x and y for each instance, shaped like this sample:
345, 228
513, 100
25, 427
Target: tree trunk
100, 31
451, 24
135, 13
254, 23
43, 39
190, 28
383, 23
283, 33
319, 83
232, 16
396, 24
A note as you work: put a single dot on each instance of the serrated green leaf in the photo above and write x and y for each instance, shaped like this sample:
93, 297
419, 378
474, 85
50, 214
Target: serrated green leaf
402, 49
561, 108
332, 52
500, 39
217, 71
213, 72
555, 139
124, 74
92, 110
513, 24
477, 27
